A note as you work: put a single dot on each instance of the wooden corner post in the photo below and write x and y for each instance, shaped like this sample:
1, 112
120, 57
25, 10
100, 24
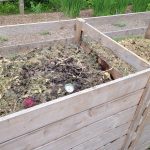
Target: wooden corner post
21, 7
78, 30
138, 121
147, 33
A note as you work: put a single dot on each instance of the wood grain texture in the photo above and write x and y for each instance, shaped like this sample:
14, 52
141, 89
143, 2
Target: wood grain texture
104, 139
78, 137
95, 21
33, 118
143, 146
114, 145
126, 33
73, 123
34, 28
122, 52
9, 51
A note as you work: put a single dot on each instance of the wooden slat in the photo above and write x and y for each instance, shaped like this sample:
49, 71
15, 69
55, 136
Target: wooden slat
143, 146
75, 138
35, 28
41, 115
139, 119
126, 33
73, 123
104, 139
9, 51
119, 50
144, 141
115, 145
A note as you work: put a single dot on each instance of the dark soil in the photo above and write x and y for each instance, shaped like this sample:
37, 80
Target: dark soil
42, 74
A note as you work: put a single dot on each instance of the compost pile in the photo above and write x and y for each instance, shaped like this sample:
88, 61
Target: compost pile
138, 45
42, 74
115, 62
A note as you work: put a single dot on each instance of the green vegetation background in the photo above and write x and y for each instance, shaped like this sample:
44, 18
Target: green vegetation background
72, 7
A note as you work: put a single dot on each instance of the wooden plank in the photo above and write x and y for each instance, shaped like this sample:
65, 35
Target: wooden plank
73, 123
35, 28
126, 33
143, 146
138, 121
104, 139
75, 138
9, 51
39, 116
145, 137
115, 145
144, 141
102, 20
119, 50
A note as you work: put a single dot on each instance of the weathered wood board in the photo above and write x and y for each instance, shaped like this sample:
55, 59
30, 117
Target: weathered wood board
126, 33
86, 134
10, 51
95, 21
104, 139
114, 145
74, 122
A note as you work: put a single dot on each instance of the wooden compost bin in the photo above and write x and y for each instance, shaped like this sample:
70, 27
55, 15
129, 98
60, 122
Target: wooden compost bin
110, 116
